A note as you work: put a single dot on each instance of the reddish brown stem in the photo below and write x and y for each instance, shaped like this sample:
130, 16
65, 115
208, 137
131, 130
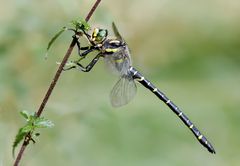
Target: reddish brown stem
52, 85
92, 10
56, 77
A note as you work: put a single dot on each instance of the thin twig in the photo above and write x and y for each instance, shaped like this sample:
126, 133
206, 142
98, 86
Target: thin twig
56, 77
92, 10
52, 85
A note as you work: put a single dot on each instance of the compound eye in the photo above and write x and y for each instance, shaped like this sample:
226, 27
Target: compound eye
102, 33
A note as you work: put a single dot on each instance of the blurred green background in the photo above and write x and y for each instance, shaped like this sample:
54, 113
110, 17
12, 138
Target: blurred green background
189, 49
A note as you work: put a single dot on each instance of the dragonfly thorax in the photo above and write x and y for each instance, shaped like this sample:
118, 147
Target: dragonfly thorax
107, 46
112, 46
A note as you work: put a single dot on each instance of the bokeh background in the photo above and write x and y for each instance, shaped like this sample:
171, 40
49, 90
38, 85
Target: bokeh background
189, 49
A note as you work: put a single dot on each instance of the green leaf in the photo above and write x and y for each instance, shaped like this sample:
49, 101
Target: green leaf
33, 122
27, 128
25, 114
54, 38
80, 24
19, 137
43, 123
32, 118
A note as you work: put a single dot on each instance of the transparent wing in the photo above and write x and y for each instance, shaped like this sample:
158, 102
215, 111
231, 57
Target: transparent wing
123, 91
116, 32
119, 62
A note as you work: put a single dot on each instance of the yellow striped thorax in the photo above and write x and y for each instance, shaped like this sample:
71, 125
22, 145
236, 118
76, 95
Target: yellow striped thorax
112, 45
111, 50
99, 35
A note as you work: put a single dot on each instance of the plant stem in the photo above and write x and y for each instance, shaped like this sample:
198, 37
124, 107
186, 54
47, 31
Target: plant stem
52, 85
56, 77
92, 10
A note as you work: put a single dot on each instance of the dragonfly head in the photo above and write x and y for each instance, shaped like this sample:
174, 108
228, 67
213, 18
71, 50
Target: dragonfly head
99, 35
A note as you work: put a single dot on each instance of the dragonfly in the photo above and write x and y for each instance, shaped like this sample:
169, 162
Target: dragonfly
116, 55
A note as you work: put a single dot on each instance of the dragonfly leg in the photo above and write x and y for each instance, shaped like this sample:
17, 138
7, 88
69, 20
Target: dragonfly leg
69, 68
87, 49
88, 67
88, 36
